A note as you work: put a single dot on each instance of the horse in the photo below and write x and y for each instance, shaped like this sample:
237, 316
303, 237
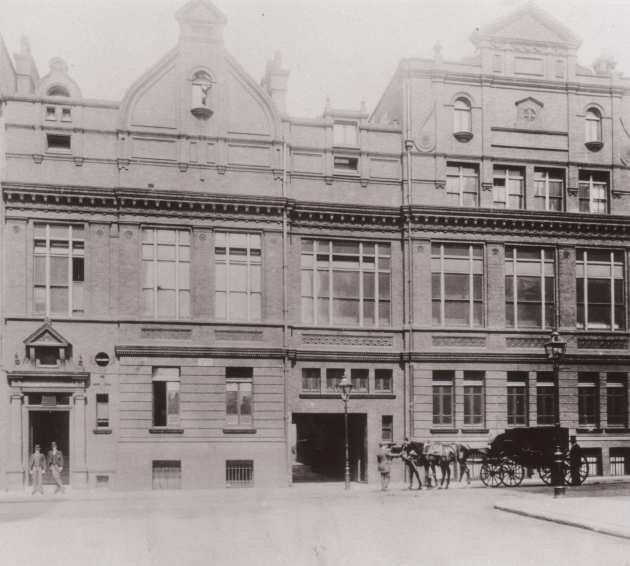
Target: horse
433, 454
443, 454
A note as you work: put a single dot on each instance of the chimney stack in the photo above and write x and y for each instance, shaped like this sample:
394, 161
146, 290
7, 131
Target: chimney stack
275, 82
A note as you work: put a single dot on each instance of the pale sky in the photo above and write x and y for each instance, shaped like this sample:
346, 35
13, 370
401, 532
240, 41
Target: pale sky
343, 49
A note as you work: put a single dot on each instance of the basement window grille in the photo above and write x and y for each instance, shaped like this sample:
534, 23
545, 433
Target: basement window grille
239, 473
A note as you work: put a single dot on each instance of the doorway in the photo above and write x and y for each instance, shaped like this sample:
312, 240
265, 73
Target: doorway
46, 427
320, 447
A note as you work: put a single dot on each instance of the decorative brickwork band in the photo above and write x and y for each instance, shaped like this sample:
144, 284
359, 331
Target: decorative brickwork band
353, 340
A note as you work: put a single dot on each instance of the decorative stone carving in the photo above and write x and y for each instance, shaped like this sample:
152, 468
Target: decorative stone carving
602, 343
242, 335
38, 158
166, 333
347, 340
526, 342
183, 167
464, 341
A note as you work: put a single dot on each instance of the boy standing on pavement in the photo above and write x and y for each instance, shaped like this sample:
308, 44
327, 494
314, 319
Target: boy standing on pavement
37, 467
55, 463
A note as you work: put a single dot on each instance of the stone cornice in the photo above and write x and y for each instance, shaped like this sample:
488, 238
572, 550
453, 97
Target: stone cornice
142, 351
310, 214
56, 376
518, 222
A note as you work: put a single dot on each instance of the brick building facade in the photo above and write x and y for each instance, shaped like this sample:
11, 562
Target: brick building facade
189, 272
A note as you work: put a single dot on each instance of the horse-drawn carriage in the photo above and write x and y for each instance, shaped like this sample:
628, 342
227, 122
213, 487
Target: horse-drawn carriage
517, 452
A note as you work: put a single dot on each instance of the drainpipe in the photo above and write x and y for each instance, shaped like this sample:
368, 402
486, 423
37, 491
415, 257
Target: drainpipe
285, 312
407, 262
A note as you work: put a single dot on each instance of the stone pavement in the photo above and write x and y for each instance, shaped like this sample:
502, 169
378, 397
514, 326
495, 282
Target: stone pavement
607, 515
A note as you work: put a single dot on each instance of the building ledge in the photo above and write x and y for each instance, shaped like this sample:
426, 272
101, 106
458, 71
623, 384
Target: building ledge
239, 430
443, 431
102, 430
474, 431
352, 396
166, 430
591, 430
613, 430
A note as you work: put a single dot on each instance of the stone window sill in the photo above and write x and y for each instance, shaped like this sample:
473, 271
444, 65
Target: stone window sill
102, 430
166, 430
464, 136
352, 396
444, 431
474, 431
239, 430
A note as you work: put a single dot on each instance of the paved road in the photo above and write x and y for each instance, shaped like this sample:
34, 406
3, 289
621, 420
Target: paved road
320, 526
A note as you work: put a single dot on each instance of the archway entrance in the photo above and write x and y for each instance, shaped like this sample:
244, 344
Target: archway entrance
320, 451
46, 427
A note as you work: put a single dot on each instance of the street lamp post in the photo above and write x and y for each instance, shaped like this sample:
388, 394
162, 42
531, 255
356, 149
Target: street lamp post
345, 388
555, 350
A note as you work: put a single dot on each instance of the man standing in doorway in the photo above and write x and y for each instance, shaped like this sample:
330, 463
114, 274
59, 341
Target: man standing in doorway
37, 468
55, 464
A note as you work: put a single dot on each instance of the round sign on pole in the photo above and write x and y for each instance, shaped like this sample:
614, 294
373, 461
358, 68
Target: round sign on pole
102, 359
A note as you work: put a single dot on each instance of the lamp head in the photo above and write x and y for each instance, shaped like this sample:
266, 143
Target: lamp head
345, 386
556, 347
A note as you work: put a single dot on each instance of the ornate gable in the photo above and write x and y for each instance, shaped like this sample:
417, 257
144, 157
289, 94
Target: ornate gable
529, 24
46, 335
46, 347
529, 43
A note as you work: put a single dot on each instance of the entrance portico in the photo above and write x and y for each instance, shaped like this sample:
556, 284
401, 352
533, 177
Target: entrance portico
47, 397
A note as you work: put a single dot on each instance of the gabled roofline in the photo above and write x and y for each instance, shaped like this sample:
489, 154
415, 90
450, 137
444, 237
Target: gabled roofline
488, 31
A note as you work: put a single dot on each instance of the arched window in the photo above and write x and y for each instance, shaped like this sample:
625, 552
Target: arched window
593, 125
202, 94
462, 119
58, 90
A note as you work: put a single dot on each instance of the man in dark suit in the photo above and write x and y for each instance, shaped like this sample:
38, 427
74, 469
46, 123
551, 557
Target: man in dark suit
55, 464
37, 468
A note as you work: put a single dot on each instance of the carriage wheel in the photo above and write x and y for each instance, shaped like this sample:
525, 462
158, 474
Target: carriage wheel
582, 473
491, 474
513, 473
545, 474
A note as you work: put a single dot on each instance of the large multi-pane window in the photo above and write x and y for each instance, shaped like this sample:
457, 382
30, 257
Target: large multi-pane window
166, 396
462, 184
548, 189
58, 269
517, 398
545, 398
457, 284
239, 383
346, 283
238, 295
474, 403
593, 192
600, 289
617, 399
442, 385
166, 283
588, 399
529, 287
508, 187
